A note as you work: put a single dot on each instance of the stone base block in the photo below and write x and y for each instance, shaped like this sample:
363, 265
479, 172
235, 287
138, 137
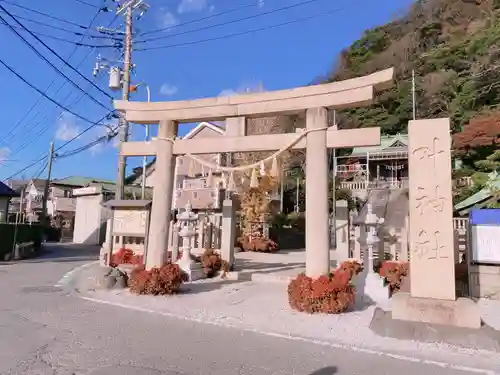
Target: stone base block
192, 269
485, 338
462, 312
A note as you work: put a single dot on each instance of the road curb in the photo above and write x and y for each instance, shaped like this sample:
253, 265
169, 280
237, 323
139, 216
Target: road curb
70, 276
299, 338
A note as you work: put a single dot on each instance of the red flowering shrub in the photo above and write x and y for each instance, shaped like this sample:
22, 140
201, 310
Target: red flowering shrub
126, 256
393, 273
330, 294
157, 281
258, 244
212, 262
352, 266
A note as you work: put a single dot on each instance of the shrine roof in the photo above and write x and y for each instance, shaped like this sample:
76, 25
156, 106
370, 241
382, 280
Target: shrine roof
481, 197
398, 142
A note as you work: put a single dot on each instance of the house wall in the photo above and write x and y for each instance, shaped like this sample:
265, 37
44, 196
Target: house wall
193, 189
90, 219
60, 191
203, 198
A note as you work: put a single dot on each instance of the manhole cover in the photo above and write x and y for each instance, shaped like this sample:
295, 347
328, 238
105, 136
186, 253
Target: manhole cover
130, 370
41, 289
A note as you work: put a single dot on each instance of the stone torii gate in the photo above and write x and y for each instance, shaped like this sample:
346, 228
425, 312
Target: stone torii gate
313, 100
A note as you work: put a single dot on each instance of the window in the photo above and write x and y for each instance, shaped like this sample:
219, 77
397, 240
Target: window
195, 195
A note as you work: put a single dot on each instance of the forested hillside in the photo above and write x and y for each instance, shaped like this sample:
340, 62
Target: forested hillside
453, 46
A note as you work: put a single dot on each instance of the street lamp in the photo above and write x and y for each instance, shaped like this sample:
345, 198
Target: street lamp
133, 88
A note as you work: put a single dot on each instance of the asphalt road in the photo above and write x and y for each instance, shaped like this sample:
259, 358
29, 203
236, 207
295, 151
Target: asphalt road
45, 330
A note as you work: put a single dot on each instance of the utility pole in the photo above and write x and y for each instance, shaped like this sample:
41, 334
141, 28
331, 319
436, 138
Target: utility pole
47, 184
120, 78
127, 58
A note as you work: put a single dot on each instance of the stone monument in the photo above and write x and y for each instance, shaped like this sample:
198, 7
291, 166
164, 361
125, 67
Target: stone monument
432, 263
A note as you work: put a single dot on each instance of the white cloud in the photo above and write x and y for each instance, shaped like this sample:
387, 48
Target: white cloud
244, 89
261, 3
101, 131
66, 127
96, 149
168, 90
187, 6
4, 154
166, 19
228, 92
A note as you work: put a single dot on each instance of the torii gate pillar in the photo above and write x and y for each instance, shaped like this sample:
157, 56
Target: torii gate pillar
313, 100
317, 233
162, 196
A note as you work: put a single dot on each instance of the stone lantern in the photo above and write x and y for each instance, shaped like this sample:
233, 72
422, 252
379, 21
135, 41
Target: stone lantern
373, 223
370, 285
187, 221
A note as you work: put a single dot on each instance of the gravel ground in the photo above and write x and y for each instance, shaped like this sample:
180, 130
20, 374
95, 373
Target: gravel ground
263, 308
49, 330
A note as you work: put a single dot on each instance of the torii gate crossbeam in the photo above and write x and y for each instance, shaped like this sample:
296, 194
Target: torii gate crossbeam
313, 100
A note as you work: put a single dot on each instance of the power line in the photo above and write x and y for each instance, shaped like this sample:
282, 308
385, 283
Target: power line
88, 4
58, 148
27, 167
43, 14
44, 24
52, 65
51, 83
78, 44
44, 167
42, 130
54, 53
252, 4
78, 150
229, 22
42, 95
243, 32
45, 95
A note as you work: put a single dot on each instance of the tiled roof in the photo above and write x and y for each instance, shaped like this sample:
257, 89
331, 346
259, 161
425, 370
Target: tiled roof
6, 191
386, 142
17, 185
79, 181
39, 183
487, 192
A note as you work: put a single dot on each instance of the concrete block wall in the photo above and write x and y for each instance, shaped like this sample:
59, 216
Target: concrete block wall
485, 281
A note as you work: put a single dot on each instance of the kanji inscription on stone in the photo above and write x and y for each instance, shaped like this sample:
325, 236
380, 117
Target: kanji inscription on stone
429, 152
431, 212
429, 246
434, 200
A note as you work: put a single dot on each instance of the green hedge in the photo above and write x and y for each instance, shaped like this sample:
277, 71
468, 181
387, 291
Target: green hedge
23, 233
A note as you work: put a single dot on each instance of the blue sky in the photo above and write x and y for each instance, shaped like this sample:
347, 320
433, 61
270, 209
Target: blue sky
283, 57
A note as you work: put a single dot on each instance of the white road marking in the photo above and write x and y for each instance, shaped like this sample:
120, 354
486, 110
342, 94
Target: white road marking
67, 277
301, 339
